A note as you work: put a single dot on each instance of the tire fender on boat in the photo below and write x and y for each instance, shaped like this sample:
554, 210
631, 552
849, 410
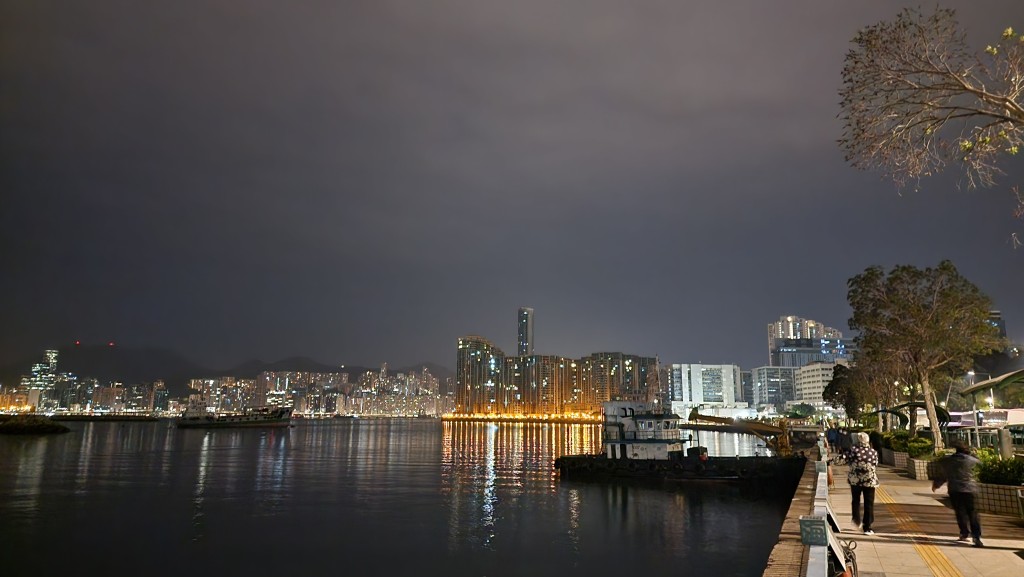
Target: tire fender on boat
700, 468
633, 466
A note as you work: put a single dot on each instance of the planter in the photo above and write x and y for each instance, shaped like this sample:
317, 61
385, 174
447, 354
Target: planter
899, 459
887, 457
999, 499
923, 468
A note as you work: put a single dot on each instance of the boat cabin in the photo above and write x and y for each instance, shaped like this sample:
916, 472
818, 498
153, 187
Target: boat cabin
633, 430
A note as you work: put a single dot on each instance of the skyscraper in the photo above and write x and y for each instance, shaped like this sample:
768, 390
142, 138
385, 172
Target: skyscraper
794, 327
478, 374
525, 331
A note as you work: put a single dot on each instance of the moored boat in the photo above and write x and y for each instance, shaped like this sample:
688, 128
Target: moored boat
640, 443
258, 417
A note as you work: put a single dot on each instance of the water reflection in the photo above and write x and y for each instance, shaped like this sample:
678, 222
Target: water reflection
490, 471
455, 498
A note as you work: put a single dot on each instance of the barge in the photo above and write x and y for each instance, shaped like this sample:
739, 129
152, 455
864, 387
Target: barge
638, 443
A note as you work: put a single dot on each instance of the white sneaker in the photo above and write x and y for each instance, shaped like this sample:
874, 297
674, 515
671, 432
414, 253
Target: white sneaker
868, 532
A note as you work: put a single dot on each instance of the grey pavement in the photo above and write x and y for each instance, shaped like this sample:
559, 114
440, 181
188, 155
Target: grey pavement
916, 532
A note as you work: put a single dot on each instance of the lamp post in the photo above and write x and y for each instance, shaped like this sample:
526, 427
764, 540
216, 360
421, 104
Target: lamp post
974, 404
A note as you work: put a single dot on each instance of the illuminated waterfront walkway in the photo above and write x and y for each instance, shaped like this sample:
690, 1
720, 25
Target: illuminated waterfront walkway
915, 533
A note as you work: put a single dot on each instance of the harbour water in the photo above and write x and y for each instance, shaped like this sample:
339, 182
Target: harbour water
357, 497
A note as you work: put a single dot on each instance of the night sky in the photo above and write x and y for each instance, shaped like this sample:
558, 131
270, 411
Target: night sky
361, 182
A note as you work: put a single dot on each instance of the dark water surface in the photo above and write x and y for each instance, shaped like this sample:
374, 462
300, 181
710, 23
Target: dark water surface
388, 497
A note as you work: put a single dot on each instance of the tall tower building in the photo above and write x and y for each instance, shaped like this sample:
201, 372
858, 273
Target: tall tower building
478, 373
525, 331
794, 327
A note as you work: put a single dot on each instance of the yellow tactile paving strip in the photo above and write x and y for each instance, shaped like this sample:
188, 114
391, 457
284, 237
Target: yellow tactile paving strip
937, 562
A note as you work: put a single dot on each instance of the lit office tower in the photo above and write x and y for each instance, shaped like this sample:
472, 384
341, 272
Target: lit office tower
773, 386
794, 327
697, 384
525, 331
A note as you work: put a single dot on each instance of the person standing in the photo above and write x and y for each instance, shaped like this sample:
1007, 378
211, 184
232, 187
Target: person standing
958, 473
863, 479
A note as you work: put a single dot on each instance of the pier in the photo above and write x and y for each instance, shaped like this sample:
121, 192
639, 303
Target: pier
915, 532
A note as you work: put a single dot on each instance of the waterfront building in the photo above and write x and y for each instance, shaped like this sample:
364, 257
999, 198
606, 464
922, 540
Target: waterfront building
525, 338
479, 368
615, 376
691, 385
538, 384
800, 352
810, 381
38, 386
109, 398
773, 385
794, 327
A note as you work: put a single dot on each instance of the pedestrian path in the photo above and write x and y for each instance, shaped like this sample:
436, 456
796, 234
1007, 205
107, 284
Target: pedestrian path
916, 532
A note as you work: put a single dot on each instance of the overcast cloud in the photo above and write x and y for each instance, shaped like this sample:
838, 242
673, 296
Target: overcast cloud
363, 182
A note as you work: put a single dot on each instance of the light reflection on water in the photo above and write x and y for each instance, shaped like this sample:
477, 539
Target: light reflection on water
375, 496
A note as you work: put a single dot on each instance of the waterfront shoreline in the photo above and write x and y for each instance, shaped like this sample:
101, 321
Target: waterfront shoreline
508, 419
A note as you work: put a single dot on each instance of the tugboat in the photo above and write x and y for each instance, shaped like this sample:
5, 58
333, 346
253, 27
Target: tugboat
258, 417
640, 443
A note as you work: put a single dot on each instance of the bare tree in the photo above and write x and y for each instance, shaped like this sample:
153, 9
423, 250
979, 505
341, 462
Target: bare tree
915, 98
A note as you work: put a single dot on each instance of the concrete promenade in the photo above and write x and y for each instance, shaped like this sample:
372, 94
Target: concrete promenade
916, 532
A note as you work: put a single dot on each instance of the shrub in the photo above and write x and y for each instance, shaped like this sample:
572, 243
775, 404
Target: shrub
986, 454
918, 447
1001, 471
896, 440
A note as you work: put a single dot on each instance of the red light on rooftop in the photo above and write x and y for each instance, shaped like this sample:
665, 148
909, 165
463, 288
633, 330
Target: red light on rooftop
110, 344
78, 343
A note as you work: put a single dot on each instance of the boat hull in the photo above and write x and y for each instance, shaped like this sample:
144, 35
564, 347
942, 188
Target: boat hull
277, 418
682, 469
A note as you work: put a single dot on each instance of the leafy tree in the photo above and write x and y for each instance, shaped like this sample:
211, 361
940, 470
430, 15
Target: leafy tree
803, 410
847, 389
915, 98
927, 322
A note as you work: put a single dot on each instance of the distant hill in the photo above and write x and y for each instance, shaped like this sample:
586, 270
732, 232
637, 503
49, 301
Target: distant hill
134, 366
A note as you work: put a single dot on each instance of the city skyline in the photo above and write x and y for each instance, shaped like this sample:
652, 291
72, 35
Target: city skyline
363, 183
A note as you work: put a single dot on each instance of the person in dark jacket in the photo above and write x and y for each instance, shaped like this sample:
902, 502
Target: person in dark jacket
863, 479
958, 475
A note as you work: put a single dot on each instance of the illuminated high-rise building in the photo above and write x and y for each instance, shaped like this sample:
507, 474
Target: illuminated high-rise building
797, 327
800, 352
794, 327
525, 340
478, 376
698, 384
617, 377
538, 384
